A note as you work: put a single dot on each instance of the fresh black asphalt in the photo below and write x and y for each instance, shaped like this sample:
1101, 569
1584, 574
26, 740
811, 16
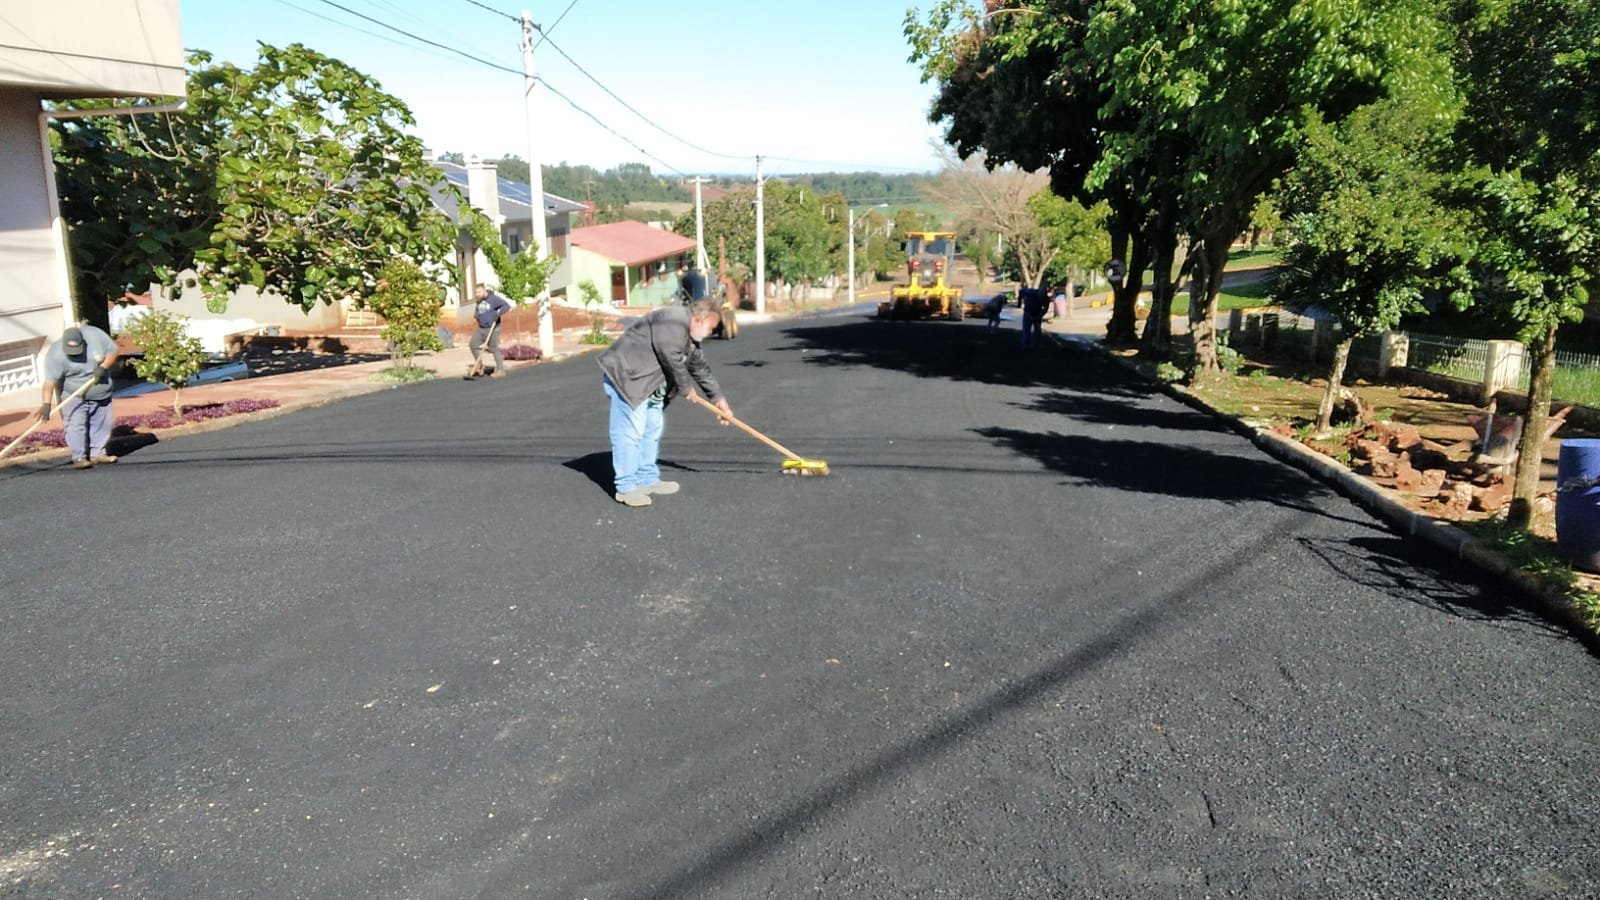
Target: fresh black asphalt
1044, 632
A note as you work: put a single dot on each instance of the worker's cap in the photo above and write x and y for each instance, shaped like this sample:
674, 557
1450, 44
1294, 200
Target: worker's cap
72, 340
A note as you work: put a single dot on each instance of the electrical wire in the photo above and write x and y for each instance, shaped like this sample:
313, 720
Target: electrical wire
552, 24
497, 12
544, 81
551, 89
422, 40
641, 115
372, 34
569, 101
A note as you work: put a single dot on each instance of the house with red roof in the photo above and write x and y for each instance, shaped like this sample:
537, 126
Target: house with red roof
633, 264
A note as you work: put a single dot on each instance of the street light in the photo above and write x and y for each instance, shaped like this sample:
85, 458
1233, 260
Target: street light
850, 264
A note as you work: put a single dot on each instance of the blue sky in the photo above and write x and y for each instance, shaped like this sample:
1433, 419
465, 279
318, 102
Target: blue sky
820, 85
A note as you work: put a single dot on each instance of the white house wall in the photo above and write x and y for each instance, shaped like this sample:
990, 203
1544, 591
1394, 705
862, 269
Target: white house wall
34, 306
247, 303
93, 48
62, 49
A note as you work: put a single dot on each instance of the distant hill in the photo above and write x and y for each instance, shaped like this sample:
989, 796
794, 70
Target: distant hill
634, 183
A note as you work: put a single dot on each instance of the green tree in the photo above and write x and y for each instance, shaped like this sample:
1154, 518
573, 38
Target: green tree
296, 175
169, 354
409, 302
1368, 230
1217, 97
804, 234
1178, 113
1265, 220
731, 220
523, 276
1078, 233
1530, 74
590, 296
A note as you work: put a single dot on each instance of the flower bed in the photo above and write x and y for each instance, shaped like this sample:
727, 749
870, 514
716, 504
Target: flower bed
124, 425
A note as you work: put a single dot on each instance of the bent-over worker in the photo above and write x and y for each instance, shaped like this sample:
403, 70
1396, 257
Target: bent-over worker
83, 355
657, 358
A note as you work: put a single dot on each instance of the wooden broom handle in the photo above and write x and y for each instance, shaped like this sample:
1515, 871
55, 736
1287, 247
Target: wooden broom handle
82, 389
747, 429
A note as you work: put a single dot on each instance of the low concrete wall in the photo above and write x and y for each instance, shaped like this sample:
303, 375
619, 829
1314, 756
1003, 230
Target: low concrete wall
1464, 391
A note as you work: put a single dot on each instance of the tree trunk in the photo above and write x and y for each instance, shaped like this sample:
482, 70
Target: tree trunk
1123, 327
96, 314
1341, 357
1530, 450
1209, 264
1158, 327
177, 402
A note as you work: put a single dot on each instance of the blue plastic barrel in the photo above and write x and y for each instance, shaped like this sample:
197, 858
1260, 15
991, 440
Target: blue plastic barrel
1578, 511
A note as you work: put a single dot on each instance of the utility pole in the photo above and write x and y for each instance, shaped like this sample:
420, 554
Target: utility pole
538, 244
701, 261
850, 264
761, 243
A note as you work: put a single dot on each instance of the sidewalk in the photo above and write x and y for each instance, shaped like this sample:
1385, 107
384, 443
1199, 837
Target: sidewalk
291, 390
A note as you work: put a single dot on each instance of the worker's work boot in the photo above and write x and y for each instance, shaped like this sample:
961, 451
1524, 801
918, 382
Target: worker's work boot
103, 459
635, 497
661, 487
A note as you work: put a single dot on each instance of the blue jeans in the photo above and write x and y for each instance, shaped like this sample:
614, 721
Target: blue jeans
1032, 328
87, 424
635, 440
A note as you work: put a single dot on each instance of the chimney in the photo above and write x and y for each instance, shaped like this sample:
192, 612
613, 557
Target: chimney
483, 188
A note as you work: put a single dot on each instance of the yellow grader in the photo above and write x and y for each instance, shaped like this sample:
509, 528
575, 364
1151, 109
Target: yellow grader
929, 258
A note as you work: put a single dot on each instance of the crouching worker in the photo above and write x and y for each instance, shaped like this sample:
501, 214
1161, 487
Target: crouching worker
657, 358
80, 360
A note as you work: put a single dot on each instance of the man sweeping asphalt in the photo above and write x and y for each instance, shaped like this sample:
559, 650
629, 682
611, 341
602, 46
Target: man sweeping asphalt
486, 314
75, 370
657, 358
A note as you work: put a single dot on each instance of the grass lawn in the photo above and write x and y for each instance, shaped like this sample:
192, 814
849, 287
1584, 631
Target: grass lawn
1243, 296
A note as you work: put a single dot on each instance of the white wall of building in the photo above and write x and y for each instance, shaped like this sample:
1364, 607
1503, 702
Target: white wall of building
61, 50
34, 305
93, 48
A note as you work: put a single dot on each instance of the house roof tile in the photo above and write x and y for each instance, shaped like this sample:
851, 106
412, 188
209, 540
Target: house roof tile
630, 243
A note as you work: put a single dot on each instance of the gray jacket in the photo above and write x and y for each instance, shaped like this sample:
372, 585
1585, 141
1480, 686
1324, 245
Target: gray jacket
655, 350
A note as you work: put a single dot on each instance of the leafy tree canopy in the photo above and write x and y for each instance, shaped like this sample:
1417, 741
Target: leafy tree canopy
297, 175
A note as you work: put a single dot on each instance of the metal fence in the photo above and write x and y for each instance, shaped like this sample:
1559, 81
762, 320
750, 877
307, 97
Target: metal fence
1283, 334
1463, 358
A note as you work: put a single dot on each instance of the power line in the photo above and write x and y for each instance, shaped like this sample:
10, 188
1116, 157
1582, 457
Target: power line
497, 12
641, 115
498, 67
553, 25
423, 40
343, 24
597, 121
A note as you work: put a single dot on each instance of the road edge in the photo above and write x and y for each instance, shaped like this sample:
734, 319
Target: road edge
1381, 502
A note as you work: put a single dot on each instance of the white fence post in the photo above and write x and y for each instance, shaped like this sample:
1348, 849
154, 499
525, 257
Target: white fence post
1502, 367
1393, 353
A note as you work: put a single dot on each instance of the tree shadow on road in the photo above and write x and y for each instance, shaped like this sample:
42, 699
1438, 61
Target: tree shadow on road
1106, 409
1397, 567
1165, 469
960, 352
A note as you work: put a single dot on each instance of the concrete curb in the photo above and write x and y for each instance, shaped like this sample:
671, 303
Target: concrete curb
1381, 502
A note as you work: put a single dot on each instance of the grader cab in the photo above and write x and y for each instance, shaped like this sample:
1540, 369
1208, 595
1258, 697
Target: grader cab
930, 255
